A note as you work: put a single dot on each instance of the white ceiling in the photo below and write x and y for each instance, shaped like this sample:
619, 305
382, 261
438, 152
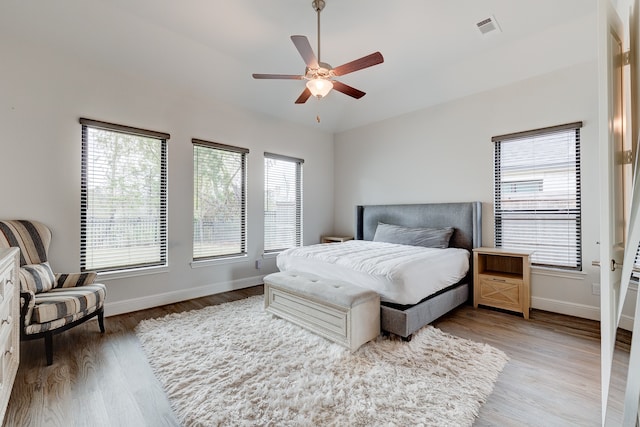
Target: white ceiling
432, 48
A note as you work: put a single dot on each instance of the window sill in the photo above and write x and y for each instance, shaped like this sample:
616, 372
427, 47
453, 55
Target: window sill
121, 274
219, 261
270, 255
554, 272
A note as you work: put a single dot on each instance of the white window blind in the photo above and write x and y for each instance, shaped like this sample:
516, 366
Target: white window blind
282, 202
123, 197
537, 194
219, 210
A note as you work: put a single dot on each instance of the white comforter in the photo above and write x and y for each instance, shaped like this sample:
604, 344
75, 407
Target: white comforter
399, 273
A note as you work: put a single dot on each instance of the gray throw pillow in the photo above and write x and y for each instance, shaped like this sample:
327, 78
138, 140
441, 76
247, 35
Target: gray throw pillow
427, 237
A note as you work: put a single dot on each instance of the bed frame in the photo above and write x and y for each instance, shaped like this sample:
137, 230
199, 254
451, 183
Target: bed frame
466, 218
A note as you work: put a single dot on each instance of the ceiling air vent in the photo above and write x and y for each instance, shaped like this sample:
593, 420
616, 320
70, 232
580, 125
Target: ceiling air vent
488, 25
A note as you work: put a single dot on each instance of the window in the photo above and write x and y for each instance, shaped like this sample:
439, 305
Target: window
219, 200
123, 197
537, 194
282, 202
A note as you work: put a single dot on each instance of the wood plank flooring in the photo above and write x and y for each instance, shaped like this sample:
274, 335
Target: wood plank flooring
552, 379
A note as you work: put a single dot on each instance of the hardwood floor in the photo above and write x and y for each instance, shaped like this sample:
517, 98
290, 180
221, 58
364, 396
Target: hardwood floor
552, 379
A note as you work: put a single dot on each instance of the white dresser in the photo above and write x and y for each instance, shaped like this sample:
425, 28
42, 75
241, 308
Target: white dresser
9, 323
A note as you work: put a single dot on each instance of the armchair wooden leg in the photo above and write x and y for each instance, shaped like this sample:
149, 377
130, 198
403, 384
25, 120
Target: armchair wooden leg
101, 319
48, 348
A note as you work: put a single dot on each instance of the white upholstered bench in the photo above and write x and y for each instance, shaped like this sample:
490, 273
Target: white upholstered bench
344, 313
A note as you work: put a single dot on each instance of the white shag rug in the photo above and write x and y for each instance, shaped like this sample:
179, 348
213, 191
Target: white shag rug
234, 364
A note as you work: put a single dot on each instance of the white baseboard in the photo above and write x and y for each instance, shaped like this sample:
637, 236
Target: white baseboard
568, 308
626, 322
142, 303
577, 310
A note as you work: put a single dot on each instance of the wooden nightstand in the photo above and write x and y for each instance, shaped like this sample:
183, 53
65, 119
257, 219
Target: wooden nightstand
335, 239
502, 279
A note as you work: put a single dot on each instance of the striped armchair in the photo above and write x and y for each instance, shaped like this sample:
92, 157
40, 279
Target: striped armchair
49, 303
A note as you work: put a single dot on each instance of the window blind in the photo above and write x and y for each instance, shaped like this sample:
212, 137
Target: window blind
219, 211
123, 219
537, 194
282, 202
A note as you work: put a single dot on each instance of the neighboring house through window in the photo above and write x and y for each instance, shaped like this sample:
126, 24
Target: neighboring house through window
537, 194
282, 202
219, 210
123, 197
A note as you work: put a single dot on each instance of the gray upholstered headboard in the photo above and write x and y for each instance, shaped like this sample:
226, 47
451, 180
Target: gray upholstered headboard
465, 217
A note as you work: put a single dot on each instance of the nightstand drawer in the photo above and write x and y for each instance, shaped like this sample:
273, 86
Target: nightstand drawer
499, 279
502, 293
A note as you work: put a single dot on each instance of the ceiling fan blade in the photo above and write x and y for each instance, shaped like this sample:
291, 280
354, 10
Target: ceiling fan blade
277, 76
306, 93
364, 62
304, 47
347, 90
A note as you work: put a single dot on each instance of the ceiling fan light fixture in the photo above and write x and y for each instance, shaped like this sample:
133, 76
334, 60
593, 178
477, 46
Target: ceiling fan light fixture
319, 87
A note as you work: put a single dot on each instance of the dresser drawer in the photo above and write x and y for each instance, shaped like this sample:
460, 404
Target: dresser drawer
6, 280
7, 312
8, 357
8, 277
8, 283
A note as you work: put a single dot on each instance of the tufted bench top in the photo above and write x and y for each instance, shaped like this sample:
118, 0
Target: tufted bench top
335, 292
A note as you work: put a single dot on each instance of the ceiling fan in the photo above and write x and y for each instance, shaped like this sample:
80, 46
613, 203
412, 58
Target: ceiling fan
320, 75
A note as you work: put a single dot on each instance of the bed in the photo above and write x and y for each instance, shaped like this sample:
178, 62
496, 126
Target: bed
402, 319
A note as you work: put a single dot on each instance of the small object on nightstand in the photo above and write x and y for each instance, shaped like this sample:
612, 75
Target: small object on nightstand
502, 279
335, 239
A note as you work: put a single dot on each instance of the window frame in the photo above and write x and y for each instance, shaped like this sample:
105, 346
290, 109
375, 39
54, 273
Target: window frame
243, 152
298, 237
571, 214
162, 225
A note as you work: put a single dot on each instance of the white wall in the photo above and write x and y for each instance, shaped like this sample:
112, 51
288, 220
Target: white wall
445, 154
42, 95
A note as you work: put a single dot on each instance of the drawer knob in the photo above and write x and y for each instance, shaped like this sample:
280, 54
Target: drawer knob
9, 351
495, 279
7, 320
